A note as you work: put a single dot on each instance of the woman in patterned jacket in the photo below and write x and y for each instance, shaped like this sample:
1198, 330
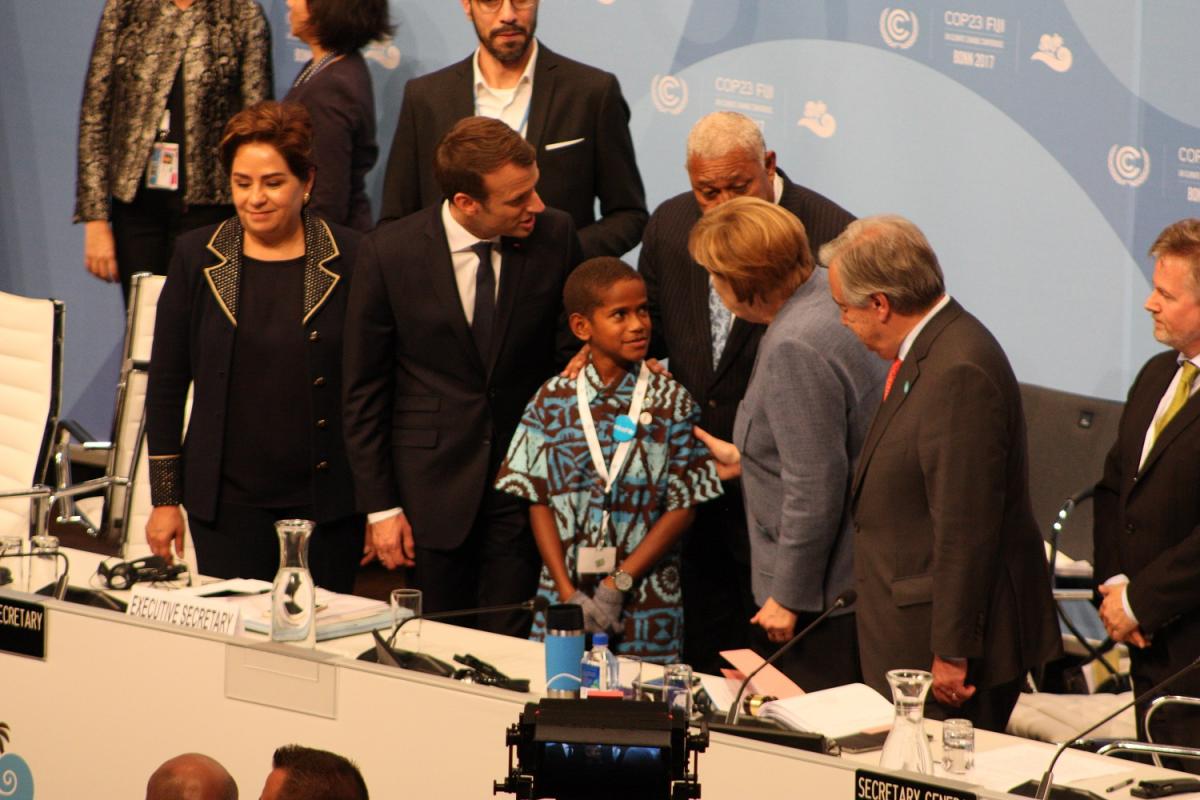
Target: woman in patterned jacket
165, 76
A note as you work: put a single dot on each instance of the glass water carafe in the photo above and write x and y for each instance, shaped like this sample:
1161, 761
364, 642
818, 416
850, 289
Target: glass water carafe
293, 596
906, 747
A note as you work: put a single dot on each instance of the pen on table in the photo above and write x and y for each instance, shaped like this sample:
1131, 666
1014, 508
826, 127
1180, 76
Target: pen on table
1120, 785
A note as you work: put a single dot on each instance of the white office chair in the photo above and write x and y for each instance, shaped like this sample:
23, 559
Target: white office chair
31, 347
116, 518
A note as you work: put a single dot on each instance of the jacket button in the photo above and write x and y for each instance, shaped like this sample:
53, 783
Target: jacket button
320, 381
1129, 527
315, 336
322, 423
322, 466
487, 442
712, 403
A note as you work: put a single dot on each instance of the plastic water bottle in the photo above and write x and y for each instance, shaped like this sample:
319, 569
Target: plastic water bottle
598, 668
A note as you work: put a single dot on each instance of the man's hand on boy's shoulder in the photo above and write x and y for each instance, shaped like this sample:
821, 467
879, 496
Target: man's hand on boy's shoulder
579, 361
726, 454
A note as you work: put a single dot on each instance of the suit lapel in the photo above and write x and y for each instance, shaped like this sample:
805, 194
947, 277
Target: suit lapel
512, 270
1184, 418
461, 94
739, 334
542, 97
225, 277
445, 288
319, 249
906, 378
696, 293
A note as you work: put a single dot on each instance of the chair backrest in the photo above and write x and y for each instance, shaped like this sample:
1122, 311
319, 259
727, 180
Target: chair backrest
1069, 436
130, 407
31, 347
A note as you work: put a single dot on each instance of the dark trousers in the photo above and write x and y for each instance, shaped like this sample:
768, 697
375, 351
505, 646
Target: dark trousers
241, 543
715, 574
497, 564
989, 708
826, 657
144, 230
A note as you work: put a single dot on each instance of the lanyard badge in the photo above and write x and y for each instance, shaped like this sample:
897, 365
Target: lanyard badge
603, 559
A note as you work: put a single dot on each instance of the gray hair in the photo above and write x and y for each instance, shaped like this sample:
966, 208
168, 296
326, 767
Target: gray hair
1181, 239
886, 255
723, 132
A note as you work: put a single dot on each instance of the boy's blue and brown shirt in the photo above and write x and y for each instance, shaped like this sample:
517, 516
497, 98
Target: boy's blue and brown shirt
548, 463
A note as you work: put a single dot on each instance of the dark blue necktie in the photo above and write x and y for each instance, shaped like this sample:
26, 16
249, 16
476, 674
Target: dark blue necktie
484, 318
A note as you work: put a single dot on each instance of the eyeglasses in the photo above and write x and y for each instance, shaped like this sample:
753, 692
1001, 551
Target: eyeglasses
492, 6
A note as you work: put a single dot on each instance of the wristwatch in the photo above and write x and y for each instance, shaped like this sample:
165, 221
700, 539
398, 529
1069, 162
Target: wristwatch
622, 580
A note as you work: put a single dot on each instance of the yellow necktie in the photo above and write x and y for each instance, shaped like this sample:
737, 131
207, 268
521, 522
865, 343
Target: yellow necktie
1182, 392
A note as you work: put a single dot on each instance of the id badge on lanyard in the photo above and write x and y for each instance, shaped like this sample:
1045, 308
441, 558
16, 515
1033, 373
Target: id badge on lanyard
593, 560
162, 172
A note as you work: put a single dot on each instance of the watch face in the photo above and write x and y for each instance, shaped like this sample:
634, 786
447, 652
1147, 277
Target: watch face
623, 581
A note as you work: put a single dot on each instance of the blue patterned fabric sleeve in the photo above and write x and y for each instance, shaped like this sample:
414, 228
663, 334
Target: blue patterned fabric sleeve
691, 471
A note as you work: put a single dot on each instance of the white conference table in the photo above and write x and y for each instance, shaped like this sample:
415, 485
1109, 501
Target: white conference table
117, 696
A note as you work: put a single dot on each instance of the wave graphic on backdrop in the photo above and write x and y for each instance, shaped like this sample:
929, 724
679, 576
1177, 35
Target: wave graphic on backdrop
1128, 165
899, 27
1053, 54
818, 119
388, 56
16, 780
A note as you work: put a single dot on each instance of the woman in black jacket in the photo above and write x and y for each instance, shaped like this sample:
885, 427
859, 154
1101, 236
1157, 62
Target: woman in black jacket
335, 87
252, 314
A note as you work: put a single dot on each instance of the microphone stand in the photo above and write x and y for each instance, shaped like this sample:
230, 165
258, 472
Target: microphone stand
844, 599
1043, 790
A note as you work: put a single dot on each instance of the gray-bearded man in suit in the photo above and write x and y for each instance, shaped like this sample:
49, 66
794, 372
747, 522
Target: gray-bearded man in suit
1147, 521
453, 323
574, 115
949, 563
712, 354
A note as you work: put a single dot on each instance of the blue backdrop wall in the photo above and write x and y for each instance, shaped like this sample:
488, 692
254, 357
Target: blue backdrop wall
1041, 144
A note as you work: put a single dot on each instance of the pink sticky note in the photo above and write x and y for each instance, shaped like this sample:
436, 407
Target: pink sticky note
770, 681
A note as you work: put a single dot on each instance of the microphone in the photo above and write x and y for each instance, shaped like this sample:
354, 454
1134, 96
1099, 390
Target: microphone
535, 604
844, 600
1043, 790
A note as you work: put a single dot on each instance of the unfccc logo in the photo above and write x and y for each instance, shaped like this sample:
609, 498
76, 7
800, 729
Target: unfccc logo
1128, 165
898, 26
670, 94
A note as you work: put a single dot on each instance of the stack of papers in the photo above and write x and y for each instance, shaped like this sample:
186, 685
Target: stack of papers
836, 712
338, 615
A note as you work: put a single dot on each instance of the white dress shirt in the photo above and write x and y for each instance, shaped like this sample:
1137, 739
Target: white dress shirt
510, 106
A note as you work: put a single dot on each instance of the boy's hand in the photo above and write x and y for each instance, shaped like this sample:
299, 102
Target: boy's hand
729, 458
611, 603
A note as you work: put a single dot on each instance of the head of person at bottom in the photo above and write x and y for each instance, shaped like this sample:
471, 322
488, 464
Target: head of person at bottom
1174, 301
606, 301
756, 253
304, 773
339, 26
727, 158
884, 276
191, 776
267, 153
488, 175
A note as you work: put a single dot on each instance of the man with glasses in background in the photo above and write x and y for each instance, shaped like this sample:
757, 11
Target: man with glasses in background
574, 115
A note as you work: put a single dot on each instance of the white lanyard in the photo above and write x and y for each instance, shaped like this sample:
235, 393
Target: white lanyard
609, 473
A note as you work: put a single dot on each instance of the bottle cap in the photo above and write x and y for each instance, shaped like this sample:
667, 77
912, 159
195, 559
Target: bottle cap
600, 639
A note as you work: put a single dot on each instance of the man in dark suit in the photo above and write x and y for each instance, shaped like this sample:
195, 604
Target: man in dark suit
574, 116
948, 560
455, 320
1147, 521
712, 354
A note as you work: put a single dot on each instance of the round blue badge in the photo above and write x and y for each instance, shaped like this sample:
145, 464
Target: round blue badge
623, 428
